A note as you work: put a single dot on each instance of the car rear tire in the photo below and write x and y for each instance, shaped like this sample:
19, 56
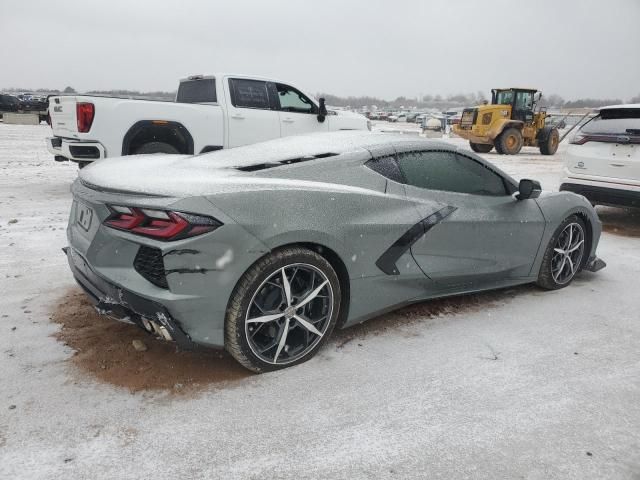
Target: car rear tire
565, 254
156, 147
548, 140
510, 141
480, 147
282, 310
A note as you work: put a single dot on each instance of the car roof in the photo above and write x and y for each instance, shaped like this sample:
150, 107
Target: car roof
311, 145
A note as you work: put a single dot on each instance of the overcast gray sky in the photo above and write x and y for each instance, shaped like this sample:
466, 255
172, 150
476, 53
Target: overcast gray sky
381, 48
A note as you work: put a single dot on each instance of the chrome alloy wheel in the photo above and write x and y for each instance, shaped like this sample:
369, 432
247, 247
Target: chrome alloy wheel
567, 253
289, 313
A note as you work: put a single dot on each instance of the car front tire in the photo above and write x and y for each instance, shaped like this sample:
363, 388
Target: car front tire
282, 310
565, 254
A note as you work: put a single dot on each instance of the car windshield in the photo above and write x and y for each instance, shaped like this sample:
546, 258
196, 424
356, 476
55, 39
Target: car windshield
619, 121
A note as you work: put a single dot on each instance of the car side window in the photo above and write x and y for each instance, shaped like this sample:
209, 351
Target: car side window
387, 167
292, 100
451, 172
247, 93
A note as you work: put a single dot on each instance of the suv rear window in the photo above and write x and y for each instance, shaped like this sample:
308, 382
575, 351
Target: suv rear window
197, 91
614, 121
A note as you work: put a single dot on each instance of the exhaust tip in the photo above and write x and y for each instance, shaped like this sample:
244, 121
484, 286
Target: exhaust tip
165, 333
147, 325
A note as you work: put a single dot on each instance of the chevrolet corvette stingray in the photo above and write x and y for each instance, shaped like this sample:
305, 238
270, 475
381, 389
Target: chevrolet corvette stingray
265, 249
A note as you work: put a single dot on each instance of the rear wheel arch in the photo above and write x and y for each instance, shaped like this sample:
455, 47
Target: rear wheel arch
343, 276
338, 265
153, 131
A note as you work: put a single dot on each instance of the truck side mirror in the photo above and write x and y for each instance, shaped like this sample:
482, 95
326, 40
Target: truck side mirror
322, 111
528, 189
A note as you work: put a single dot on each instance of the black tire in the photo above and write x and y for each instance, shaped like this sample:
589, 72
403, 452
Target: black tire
480, 147
548, 140
546, 278
510, 141
156, 147
252, 284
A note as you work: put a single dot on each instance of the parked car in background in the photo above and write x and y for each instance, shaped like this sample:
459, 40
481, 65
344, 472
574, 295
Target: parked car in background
603, 158
9, 103
209, 113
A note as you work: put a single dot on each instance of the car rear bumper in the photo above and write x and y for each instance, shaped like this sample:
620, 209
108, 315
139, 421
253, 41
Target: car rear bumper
603, 195
125, 305
77, 151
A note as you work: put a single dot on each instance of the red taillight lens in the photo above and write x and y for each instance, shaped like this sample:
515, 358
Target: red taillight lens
159, 224
84, 116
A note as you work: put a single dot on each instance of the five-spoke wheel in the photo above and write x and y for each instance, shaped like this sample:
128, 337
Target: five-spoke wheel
565, 254
282, 309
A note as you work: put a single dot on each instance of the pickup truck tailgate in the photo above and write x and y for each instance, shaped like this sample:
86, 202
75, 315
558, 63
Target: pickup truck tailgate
62, 111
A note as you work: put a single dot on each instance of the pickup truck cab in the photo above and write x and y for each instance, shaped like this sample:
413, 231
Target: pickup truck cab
209, 113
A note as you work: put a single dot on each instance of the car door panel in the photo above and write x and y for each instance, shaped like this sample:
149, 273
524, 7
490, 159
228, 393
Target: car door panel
486, 233
482, 239
298, 113
251, 118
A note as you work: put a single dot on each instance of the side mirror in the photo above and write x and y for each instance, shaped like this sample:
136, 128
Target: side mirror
322, 111
528, 189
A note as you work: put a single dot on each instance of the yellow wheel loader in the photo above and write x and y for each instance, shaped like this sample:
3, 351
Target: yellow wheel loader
510, 122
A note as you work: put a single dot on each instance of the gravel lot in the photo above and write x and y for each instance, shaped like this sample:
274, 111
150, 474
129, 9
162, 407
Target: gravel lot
514, 384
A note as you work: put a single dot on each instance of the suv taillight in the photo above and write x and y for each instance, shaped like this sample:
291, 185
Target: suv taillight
84, 116
159, 224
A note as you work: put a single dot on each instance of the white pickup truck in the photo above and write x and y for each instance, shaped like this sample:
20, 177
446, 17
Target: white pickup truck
209, 113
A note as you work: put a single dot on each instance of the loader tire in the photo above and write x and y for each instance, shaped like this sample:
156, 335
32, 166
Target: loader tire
480, 147
510, 141
548, 140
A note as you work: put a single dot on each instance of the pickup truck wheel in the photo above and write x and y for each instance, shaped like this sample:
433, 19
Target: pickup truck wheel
156, 147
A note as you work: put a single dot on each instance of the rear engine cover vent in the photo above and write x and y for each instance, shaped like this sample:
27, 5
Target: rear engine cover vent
264, 166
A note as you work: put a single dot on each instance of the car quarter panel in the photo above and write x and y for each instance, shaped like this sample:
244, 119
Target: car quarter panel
556, 206
201, 272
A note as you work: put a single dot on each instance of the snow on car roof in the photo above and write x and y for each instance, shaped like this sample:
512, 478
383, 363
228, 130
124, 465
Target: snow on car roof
299, 146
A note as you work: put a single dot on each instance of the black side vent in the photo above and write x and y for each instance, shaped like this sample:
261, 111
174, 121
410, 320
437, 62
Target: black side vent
264, 166
149, 264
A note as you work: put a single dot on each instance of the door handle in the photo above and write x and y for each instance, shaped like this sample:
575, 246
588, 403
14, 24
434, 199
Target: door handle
288, 120
617, 164
237, 117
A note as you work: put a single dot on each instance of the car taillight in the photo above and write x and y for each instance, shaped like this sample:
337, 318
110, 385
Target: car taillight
84, 116
159, 224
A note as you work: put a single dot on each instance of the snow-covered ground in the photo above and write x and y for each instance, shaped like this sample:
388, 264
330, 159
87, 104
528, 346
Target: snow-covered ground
518, 384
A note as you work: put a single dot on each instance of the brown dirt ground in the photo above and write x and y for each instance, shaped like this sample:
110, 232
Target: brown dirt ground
103, 347
620, 221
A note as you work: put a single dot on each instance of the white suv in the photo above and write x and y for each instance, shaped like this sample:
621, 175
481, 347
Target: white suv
603, 158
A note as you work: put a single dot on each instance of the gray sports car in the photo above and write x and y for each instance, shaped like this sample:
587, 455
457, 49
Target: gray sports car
264, 249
